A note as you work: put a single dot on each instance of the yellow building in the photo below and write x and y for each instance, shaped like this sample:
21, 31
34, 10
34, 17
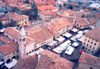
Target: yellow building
92, 41
21, 20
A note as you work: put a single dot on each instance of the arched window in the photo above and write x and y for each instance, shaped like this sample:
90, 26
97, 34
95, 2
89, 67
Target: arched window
24, 39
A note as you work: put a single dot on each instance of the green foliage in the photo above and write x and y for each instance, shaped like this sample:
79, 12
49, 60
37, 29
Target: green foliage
1, 25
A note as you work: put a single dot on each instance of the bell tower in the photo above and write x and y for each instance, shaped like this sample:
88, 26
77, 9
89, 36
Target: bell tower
22, 42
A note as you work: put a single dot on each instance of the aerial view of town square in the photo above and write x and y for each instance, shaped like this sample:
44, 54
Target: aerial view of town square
49, 34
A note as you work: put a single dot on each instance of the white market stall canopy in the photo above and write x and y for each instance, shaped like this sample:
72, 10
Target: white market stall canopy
69, 50
52, 43
80, 32
75, 44
67, 35
75, 30
60, 39
58, 50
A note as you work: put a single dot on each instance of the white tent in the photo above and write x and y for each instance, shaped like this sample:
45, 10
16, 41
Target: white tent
69, 50
52, 43
60, 39
79, 35
75, 30
67, 35
58, 50
80, 32
2, 30
75, 44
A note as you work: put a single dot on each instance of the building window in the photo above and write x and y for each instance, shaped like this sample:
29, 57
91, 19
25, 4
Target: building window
84, 43
87, 44
26, 53
24, 39
91, 42
17, 50
20, 39
94, 43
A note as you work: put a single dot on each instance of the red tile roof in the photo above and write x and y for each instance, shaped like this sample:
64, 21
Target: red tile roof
50, 60
82, 21
46, 7
44, 2
94, 34
47, 60
12, 15
27, 62
38, 36
10, 1
33, 29
21, 17
7, 49
15, 34
9, 45
4, 18
48, 13
57, 24
12, 32
89, 59
92, 21
8, 41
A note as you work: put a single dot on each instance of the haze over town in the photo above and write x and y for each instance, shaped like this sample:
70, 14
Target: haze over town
49, 34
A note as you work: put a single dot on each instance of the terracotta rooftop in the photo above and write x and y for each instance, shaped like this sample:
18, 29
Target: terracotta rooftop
50, 60
92, 21
6, 49
9, 45
12, 32
12, 15
46, 7
89, 59
10, 1
94, 34
44, 2
27, 62
33, 29
4, 18
48, 13
15, 34
82, 21
21, 17
38, 36
58, 24
69, 13
47, 60
8, 41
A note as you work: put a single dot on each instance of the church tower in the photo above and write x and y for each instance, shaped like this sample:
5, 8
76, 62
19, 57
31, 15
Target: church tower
22, 42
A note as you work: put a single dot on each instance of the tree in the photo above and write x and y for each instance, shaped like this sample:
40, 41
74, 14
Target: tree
34, 13
70, 7
27, 1
1, 25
